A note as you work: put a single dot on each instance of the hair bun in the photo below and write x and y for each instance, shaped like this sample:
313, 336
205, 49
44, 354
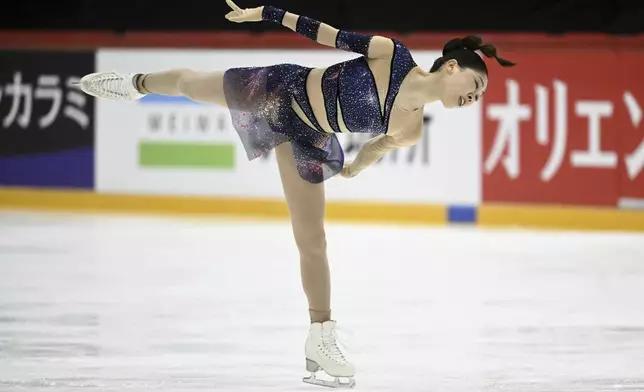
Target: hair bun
470, 42
474, 43
453, 45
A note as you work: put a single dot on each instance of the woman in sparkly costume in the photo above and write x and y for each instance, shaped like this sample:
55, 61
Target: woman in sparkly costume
298, 111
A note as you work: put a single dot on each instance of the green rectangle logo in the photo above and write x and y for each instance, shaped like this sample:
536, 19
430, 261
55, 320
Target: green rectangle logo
186, 155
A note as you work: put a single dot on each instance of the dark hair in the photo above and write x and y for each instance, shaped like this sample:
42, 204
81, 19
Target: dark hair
463, 50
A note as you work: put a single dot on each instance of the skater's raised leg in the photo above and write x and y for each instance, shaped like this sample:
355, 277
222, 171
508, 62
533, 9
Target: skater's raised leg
205, 87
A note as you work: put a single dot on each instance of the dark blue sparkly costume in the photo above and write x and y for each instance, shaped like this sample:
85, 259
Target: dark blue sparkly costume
259, 100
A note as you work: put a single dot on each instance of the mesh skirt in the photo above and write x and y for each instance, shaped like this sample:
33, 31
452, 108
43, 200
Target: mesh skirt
259, 102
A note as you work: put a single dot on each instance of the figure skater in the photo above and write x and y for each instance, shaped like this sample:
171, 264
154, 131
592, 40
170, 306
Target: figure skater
298, 111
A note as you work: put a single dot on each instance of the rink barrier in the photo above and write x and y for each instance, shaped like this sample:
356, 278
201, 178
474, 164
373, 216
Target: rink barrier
87, 201
560, 217
540, 217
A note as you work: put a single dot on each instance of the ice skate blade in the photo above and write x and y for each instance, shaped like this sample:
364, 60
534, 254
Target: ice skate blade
312, 367
330, 384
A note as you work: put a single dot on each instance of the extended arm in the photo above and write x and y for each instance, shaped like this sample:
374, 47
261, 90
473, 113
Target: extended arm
379, 146
372, 46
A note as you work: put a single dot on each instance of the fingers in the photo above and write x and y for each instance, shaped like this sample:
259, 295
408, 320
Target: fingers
232, 5
346, 172
235, 16
232, 16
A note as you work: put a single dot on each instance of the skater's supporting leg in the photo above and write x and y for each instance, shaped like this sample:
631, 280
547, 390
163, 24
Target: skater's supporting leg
206, 87
306, 203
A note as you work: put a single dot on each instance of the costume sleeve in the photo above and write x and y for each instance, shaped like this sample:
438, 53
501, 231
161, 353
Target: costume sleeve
345, 40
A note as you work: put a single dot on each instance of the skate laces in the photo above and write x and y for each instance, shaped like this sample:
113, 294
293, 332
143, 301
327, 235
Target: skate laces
110, 85
330, 341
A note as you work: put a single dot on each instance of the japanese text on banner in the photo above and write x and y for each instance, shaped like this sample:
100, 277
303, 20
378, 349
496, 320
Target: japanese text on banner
556, 134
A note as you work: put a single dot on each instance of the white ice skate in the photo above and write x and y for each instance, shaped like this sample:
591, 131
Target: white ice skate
111, 85
323, 353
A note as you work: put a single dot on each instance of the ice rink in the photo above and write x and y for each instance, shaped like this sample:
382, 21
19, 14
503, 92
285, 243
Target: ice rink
114, 303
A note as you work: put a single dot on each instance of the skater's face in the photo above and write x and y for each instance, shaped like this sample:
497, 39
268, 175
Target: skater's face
461, 87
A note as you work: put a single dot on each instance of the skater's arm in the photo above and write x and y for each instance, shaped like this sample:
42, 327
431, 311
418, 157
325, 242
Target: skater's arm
372, 46
379, 146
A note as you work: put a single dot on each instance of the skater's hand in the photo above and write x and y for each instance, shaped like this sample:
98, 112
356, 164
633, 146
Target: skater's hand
239, 15
348, 171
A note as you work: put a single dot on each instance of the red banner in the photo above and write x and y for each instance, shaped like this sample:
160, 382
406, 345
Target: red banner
565, 128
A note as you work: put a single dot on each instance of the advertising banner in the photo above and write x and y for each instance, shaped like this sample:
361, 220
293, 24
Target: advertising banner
164, 145
46, 122
565, 128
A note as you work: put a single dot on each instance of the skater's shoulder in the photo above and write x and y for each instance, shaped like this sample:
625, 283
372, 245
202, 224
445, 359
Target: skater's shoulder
395, 48
401, 49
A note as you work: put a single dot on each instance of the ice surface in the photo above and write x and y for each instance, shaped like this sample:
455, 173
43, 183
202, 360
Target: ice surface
117, 303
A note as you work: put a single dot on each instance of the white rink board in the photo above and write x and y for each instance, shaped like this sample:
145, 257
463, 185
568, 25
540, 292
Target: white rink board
445, 169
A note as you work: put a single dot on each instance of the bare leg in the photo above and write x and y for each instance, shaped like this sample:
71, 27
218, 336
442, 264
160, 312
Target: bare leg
306, 203
206, 87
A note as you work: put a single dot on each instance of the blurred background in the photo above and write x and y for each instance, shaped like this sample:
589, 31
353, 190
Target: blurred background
139, 249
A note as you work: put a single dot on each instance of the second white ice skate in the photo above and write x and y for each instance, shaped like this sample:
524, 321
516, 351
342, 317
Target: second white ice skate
323, 354
110, 85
